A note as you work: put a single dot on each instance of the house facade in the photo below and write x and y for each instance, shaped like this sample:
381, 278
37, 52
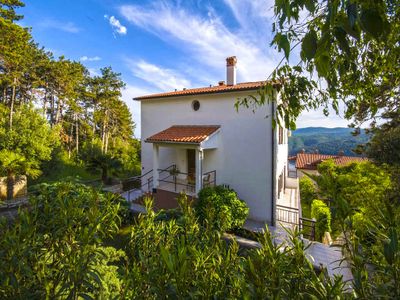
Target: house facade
195, 137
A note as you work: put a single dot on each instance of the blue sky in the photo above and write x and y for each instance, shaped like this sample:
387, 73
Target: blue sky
162, 45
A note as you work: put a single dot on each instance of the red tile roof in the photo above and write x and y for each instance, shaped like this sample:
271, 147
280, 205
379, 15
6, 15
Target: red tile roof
184, 134
207, 90
310, 161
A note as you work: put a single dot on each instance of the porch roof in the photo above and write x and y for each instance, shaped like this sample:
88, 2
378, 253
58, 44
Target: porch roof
185, 134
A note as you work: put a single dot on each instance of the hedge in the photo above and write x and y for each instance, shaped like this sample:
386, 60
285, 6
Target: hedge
321, 212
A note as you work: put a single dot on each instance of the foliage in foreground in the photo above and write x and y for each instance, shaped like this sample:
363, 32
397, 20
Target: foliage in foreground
61, 249
365, 209
54, 249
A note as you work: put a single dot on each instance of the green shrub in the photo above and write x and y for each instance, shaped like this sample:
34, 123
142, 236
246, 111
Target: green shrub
321, 212
307, 190
221, 208
54, 249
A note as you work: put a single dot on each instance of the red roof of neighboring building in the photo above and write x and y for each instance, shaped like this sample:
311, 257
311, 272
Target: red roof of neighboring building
310, 161
208, 90
184, 134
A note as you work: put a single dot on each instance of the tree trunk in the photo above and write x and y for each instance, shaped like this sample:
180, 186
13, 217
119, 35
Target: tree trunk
4, 95
76, 134
52, 106
10, 185
94, 122
71, 133
106, 142
12, 102
104, 133
58, 112
45, 105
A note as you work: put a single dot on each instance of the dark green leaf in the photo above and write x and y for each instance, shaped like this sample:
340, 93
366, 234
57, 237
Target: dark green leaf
322, 64
284, 44
352, 14
309, 45
310, 5
372, 22
340, 35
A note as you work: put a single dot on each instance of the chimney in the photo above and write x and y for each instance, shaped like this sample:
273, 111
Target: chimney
221, 83
341, 153
231, 70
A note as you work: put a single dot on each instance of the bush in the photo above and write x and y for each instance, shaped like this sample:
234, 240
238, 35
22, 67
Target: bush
321, 212
54, 249
307, 190
221, 208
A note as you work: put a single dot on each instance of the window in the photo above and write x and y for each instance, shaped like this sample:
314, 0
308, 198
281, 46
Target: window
196, 105
281, 136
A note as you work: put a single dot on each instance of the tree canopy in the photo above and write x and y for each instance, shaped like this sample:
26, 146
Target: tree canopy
349, 55
80, 108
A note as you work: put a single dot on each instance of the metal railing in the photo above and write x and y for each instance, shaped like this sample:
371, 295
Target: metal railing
292, 216
208, 179
189, 184
137, 182
287, 214
307, 227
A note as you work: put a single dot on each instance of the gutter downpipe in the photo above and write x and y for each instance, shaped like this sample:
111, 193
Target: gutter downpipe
273, 170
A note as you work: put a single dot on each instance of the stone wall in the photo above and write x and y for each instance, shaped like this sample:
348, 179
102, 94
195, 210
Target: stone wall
20, 187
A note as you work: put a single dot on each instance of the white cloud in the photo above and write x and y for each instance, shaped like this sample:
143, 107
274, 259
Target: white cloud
255, 17
206, 39
116, 25
54, 24
315, 118
162, 78
87, 58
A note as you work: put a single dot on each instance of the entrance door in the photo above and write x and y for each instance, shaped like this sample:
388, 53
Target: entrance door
191, 163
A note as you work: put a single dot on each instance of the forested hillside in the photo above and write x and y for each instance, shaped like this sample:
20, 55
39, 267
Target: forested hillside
326, 140
58, 120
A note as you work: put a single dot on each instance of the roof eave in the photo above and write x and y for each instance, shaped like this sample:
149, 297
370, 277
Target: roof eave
171, 142
192, 94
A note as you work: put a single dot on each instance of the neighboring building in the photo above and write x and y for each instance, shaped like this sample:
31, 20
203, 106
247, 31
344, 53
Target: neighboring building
308, 162
192, 138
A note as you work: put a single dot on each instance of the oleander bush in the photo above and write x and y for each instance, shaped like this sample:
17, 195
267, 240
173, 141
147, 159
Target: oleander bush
70, 245
54, 249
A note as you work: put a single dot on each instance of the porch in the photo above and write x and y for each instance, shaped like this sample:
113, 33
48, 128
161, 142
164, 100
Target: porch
188, 151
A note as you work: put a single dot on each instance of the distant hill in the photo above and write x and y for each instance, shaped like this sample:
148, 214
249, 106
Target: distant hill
325, 140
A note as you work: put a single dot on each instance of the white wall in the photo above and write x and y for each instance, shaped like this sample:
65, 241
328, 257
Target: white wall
243, 157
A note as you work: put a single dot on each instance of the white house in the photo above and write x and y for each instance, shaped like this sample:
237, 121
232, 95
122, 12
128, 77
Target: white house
195, 137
